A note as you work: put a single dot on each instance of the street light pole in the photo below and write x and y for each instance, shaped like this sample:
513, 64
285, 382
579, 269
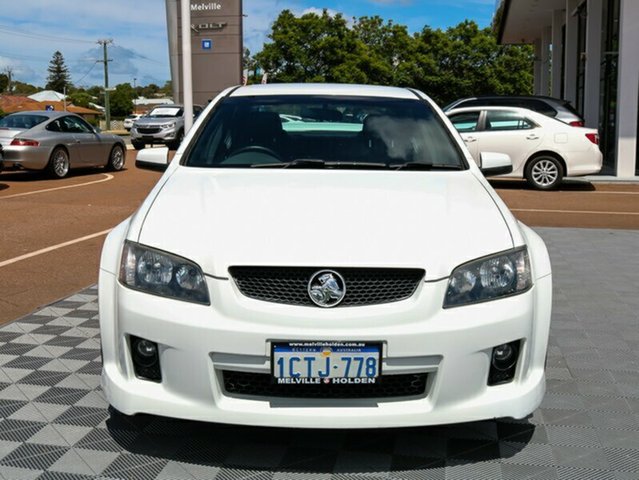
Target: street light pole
185, 6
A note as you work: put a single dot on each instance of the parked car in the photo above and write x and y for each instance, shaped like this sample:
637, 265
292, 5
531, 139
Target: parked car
562, 110
1, 159
164, 125
57, 142
543, 150
344, 278
130, 120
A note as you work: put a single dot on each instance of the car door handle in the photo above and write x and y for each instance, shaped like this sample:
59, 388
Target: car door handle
532, 136
470, 139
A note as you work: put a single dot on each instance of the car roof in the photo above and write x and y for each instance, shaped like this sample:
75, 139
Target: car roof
514, 97
324, 89
45, 113
526, 111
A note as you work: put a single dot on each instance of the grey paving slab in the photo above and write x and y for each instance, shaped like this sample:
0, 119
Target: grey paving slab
55, 423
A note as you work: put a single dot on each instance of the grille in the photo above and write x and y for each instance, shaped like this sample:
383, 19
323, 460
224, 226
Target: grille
148, 130
261, 385
364, 286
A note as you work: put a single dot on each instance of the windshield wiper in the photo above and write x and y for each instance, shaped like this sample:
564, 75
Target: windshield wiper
318, 163
423, 166
297, 163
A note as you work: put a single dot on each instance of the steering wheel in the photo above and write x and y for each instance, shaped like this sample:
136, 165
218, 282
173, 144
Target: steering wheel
256, 149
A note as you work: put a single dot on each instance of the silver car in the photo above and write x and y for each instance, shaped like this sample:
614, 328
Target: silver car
57, 142
164, 124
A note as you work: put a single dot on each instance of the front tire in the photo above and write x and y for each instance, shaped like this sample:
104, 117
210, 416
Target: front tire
137, 145
544, 172
58, 166
116, 159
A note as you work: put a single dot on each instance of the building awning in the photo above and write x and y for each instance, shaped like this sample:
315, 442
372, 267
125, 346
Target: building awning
522, 21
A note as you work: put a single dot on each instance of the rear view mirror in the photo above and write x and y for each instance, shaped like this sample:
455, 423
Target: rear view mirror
493, 163
153, 159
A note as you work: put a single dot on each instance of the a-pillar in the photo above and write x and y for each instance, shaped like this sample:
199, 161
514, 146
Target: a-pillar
628, 88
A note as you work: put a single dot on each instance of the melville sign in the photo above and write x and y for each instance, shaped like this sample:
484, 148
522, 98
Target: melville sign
199, 7
216, 47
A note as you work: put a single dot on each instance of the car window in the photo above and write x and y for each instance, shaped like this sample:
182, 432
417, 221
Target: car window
74, 125
249, 131
166, 112
501, 120
466, 121
23, 121
55, 126
539, 106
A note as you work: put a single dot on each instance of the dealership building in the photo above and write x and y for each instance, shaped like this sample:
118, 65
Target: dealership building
216, 46
587, 52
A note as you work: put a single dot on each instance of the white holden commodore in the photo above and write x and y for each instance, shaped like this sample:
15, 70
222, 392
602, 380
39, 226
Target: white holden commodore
324, 256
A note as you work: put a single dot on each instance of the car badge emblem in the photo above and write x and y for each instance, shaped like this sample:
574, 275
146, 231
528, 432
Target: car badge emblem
326, 288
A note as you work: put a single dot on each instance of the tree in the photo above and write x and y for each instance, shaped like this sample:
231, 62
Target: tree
121, 100
312, 48
466, 61
21, 88
59, 78
81, 98
4, 82
463, 60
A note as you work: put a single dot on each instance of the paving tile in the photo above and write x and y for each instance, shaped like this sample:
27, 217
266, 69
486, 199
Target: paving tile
55, 423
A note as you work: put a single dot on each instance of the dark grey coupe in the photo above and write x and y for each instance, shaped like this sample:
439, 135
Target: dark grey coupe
57, 142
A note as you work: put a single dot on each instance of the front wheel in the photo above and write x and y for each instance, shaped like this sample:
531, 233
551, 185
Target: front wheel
137, 145
58, 166
544, 172
116, 159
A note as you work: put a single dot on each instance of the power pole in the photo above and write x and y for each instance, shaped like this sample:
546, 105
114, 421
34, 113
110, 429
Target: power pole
9, 72
107, 107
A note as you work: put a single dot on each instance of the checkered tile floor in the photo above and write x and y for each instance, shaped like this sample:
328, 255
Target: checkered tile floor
55, 423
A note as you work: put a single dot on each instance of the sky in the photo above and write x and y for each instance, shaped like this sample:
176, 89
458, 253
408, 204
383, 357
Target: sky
31, 30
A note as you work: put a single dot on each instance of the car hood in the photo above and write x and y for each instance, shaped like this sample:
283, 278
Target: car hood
325, 218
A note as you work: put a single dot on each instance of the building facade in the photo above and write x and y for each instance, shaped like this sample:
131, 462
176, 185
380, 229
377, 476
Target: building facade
587, 52
216, 47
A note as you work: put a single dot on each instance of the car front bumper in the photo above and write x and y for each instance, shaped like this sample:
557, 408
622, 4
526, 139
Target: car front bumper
163, 136
196, 343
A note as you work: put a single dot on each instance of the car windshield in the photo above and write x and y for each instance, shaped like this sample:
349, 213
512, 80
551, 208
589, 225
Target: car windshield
324, 132
166, 112
22, 121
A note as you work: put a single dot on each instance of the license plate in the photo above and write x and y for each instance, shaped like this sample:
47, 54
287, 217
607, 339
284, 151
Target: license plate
325, 362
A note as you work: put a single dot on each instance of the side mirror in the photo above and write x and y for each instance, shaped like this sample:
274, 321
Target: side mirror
97, 130
493, 163
153, 159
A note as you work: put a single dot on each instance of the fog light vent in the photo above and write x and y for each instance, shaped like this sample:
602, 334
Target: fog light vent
146, 361
503, 363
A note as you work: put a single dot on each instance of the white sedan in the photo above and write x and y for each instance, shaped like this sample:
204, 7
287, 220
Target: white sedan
347, 274
543, 150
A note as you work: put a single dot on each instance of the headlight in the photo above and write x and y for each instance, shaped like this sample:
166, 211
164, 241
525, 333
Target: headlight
488, 278
160, 273
168, 125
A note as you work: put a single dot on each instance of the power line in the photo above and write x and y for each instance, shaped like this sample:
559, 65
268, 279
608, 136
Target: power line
77, 82
12, 31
